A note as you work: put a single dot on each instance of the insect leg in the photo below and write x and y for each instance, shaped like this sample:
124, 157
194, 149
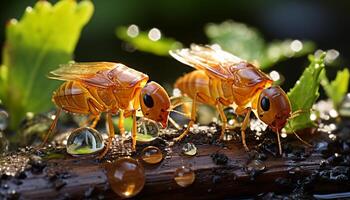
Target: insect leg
52, 127
279, 143
223, 118
95, 121
133, 130
244, 127
192, 120
121, 123
110, 129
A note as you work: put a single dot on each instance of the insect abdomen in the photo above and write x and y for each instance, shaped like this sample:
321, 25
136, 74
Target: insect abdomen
208, 90
74, 97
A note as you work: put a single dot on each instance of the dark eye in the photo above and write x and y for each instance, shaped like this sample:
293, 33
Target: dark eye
265, 103
148, 100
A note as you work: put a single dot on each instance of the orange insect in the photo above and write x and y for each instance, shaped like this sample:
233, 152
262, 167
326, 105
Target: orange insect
222, 79
95, 87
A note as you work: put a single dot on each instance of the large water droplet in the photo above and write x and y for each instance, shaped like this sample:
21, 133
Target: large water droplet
84, 141
126, 177
151, 155
184, 176
3, 120
147, 130
189, 149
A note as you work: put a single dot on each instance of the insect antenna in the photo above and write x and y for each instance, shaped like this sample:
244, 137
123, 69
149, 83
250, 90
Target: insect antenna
299, 138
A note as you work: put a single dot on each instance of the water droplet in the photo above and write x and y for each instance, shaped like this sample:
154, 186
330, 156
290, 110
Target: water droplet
154, 34
126, 177
133, 31
230, 114
189, 149
3, 120
256, 165
184, 176
275, 76
296, 45
147, 130
84, 141
152, 155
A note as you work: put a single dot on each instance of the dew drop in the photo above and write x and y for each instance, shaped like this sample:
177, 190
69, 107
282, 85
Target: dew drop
189, 149
151, 155
126, 177
154, 34
84, 141
147, 130
230, 114
184, 176
133, 31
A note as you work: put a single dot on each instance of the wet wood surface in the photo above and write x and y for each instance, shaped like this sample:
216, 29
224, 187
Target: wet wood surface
77, 178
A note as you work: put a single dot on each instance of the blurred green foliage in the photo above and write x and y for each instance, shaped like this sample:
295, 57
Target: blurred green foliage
337, 89
141, 40
305, 93
43, 38
247, 43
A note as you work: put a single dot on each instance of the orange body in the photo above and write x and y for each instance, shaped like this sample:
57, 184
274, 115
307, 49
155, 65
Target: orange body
222, 79
87, 97
111, 88
239, 92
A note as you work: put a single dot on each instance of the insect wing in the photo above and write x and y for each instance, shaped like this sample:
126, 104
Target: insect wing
211, 59
89, 72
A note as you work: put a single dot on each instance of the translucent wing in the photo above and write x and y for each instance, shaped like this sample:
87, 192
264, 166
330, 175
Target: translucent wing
211, 59
80, 71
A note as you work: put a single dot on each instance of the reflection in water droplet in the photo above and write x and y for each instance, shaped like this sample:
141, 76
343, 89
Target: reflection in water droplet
151, 155
84, 141
126, 177
189, 149
184, 176
147, 130
3, 120
4, 143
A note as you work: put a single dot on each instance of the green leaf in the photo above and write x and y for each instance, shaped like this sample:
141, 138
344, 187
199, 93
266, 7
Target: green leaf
337, 89
142, 42
43, 38
304, 94
247, 43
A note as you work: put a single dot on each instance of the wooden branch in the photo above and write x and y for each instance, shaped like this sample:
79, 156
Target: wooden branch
72, 177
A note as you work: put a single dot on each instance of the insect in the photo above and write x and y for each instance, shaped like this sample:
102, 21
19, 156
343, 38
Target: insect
222, 79
93, 88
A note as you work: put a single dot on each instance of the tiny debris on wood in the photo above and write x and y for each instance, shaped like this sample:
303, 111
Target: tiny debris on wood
223, 169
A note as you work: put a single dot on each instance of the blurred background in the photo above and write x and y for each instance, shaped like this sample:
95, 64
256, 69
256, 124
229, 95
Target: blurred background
324, 22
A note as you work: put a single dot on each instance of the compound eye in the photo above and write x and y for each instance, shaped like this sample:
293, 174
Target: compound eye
148, 100
265, 103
